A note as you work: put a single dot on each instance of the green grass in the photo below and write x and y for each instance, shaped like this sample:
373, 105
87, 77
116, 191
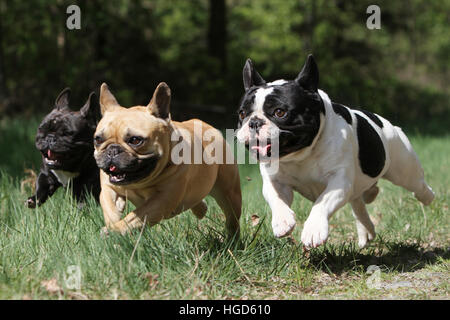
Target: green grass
184, 258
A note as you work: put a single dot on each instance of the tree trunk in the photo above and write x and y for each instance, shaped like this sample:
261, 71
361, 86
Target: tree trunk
217, 31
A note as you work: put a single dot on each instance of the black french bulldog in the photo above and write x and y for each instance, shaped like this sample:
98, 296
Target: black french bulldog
64, 138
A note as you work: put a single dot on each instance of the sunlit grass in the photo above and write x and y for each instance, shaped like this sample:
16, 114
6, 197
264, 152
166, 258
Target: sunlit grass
188, 258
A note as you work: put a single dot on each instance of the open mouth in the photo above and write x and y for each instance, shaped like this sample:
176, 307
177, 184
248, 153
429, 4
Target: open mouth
53, 158
132, 173
261, 151
116, 175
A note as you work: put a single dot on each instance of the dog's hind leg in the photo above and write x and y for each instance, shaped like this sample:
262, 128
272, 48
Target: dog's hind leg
227, 193
364, 226
370, 194
199, 210
405, 169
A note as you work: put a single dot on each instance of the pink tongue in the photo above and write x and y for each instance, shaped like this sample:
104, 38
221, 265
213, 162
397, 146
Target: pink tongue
50, 155
112, 168
261, 150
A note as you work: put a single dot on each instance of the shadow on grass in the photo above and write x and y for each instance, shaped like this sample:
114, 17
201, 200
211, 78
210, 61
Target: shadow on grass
399, 256
394, 256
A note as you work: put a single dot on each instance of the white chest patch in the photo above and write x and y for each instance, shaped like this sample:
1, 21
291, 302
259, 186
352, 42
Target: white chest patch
64, 176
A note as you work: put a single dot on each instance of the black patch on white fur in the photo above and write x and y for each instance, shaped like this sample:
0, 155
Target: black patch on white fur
299, 99
342, 111
302, 121
246, 104
372, 155
373, 117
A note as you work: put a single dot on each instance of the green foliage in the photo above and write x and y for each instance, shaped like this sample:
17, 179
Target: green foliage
133, 45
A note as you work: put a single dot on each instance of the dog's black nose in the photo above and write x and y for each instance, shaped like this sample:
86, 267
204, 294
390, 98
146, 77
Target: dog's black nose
255, 123
51, 139
114, 150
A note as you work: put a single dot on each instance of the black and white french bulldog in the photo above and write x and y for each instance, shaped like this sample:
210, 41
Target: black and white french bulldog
327, 152
64, 138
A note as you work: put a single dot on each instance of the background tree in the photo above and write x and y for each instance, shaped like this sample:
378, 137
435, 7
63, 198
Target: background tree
199, 48
217, 31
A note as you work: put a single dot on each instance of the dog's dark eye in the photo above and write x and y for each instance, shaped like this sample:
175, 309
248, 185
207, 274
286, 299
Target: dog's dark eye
98, 140
68, 131
135, 141
242, 114
280, 113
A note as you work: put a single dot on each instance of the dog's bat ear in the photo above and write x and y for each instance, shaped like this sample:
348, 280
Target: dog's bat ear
308, 78
91, 108
62, 102
107, 100
251, 76
159, 106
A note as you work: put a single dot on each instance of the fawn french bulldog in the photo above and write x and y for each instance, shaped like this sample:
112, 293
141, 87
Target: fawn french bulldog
135, 150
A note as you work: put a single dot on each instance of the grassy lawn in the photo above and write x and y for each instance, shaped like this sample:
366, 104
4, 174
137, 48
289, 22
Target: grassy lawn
184, 258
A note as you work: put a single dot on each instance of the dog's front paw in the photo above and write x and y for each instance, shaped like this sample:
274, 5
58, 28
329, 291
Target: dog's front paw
120, 227
31, 202
104, 233
282, 225
315, 231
